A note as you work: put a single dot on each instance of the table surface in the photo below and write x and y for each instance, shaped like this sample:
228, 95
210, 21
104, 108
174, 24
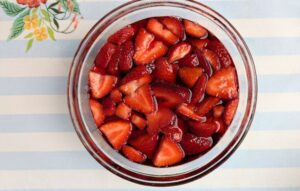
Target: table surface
39, 149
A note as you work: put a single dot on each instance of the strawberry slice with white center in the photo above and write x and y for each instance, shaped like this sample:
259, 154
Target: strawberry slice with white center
165, 71
222, 53
168, 153
117, 132
101, 85
141, 100
138, 121
218, 111
212, 59
199, 89
174, 25
137, 73
206, 105
132, 86
104, 55
223, 84
204, 129
97, 111
133, 154
179, 51
190, 60
230, 110
189, 112
161, 32
199, 43
173, 132
122, 35
189, 75
123, 111
192, 144
194, 29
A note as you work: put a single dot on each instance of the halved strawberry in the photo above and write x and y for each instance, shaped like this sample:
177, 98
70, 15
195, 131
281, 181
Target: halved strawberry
168, 153
161, 32
189, 112
127, 51
174, 25
199, 43
123, 111
113, 65
104, 55
116, 95
192, 144
132, 86
212, 59
136, 73
159, 119
145, 143
165, 71
199, 89
147, 49
117, 132
173, 132
203, 129
194, 30
218, 111
222, 53
221, 126
206, 105
223, 84
138, 121
190, 60
133, 154
97, 111
171, 95
230, 110
101, 85
179, 51
109, 106
189, 75
122, 35
141, 100
203, 63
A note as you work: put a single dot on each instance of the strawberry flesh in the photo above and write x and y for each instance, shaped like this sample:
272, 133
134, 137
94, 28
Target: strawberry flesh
203, 129
165, 71
190, 60
145, 143
132, 86
174, 25
189, 75
123, 111
222, 53
206, 105
101, 85
179, 51
109, 106
194, 30
133, 154
138, 121
122, 35
192, 144
103, 57
97, 111
189, 112
199, 89
230, 110
212, 59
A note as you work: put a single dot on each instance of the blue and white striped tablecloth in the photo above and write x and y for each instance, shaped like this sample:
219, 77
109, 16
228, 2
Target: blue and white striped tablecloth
39, 149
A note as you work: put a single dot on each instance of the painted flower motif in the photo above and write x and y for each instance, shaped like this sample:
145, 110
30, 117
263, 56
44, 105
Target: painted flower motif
31, 21
31, 3
40, 33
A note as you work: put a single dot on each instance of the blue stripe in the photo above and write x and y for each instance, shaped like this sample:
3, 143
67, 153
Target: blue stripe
67, 48
83, 160
266, 121
228, 8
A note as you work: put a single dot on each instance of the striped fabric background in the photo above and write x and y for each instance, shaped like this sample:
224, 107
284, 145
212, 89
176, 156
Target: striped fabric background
39, 149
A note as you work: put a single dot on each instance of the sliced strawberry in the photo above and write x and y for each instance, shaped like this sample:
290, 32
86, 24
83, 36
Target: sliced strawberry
168, 153
139, 24
212, 59
136, 73
127, 51
103, 57
98, 70
101, 85
223, 84
189, 112
122, 35
206, 105
132, 86
194, 30
189, 75
117, 132
173, 132
145, 143
230, 110
165, 71
182, 125
116, 95
199, 89
218, 111
171, 95
141, 100
221, 126
203, 63
174, 25
138, 121
97, 111
161, 32
147, 49
109, 106
222, 53
199, 43
179, 51
123, 111
204, 129
159, 119
192, 144
113, 65
133, 154
190, 60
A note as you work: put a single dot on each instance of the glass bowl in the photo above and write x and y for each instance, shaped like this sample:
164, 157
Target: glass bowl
78, 96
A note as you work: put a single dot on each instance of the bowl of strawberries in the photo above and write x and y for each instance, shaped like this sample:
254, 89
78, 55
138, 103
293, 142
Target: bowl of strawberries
161, 93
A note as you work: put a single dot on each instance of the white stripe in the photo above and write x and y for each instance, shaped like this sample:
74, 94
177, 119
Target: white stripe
281, 102
68, 141
274, 27
51, 67
99, 179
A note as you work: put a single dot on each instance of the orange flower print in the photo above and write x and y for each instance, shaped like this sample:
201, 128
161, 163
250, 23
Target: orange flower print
40, 33
31, 21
